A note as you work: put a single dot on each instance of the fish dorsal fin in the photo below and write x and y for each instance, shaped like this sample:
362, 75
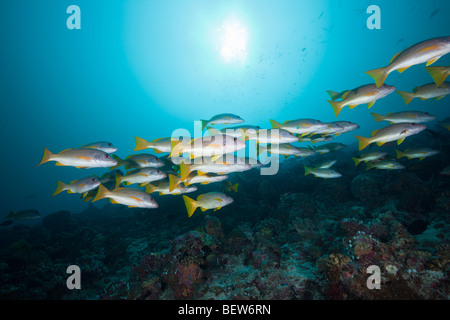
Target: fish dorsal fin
395, 57
345, 94
159, 139
375, 132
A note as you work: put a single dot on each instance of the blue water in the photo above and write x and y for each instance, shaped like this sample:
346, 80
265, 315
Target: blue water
146, 68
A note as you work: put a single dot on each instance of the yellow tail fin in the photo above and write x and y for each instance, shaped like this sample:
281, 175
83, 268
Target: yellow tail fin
406, 96
235, 187
363, 142
357, 161
46, 157
438, 74
174, 181
184, 171
191, 205
399, 154
102, 193
379, 75
141, 144
60, 187
176, 148
275, 125
377, 117
150, 188
308, 170
334, 95
337, 106
118, 180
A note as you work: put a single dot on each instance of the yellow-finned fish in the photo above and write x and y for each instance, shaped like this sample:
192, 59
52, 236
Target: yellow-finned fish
394, 132
240, 132
23, 215
428, 51
223, 165
172, 186
78, 186
136, 161
416, 153
133, 198
371, 156
286, 150
104, 146
208, 146
385, 165
300, 126
368, 93
274, 136
428, 91
159, 145
204, 178
322, 173
404, 117
211, 200
140, 176
80, 158
223, 118
439, 74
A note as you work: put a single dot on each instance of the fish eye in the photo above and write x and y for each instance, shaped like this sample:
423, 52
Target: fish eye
107, 156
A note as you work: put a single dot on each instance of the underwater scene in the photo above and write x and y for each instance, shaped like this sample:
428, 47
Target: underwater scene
225, 150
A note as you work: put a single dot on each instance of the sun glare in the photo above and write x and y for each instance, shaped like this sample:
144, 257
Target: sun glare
233, 38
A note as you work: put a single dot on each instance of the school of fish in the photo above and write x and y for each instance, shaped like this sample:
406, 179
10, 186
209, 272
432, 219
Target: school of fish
211, 159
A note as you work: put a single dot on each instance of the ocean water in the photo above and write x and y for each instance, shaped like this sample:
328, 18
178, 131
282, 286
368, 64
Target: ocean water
146, 68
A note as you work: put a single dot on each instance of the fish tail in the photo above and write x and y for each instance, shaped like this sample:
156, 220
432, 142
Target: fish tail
308, 170
118, 180
191, 205
438, 74
406, 96
213, 131
9, 216
333, 95
102, 193
60, 187
369, 166
379, 75
141, 144
150, 188
176, 148
46, 157
275, 124
357, 161
174, 181
119, 162
363, 142
337, 106
399, 154
204, 124
184, 171
260, 149
234, 187
377, 117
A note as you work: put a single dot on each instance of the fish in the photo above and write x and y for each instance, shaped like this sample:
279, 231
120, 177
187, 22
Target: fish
172, 186
104, 146
160, 145
77, 186
405, 117
133, 198
223, 165
203, 178
300, 126
446, 126
80, 158
428, 51
324, 164
110, 176
6, 223
273, 136
394, 132
339, 127
228, 186
286, 150
28, 214
329, 147
385, 165
322, 173
224, 118
315, 139
240, 132
208, 146
368, 93
414, 153
439, 74
371, 156
428, 91
140, 176
207, 201
136, 161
